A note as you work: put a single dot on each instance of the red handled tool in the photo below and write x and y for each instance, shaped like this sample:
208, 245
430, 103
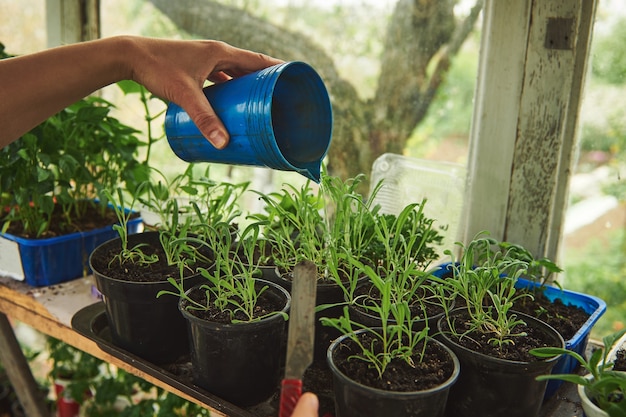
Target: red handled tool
301, 335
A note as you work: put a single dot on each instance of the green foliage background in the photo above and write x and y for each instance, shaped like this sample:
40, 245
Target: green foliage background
600, 269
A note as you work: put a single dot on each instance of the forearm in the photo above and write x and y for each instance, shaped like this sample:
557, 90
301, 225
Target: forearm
36, 86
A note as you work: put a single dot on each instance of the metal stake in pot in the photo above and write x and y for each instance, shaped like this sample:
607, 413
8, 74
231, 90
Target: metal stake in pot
300, 340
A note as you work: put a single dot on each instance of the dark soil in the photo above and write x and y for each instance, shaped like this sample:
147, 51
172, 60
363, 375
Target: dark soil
267, 303
425, 305
517, 351
139, 272
433, 370
567, 319
93, 219
319, 379
620, 360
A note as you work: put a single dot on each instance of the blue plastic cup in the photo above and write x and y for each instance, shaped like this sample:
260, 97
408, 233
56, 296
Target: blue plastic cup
279, 117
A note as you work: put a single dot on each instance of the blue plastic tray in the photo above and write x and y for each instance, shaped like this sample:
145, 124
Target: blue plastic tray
63, 258
592, 305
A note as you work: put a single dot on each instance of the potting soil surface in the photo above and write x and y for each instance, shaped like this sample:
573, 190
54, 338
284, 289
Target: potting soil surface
567, 319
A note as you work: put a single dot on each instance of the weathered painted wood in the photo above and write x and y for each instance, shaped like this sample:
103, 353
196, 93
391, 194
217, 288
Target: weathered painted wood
47, 310
496, 109
570, 128
523, 143
70, 21
19, 372
545, 139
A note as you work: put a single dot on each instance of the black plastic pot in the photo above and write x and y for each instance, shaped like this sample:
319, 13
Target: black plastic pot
592, 305
493, 387
149, 327
326, 293
270, 273
361, 315
353, 399
239, 362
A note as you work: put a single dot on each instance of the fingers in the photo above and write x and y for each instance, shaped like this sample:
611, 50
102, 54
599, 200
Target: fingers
206, 120
238, 62
219, 77
177, 70
241, 62
307, 406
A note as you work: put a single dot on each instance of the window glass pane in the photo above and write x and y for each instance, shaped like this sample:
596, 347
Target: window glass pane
401, 74
401, 79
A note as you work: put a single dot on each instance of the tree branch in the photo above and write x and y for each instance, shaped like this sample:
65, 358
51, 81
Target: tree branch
447, 52
419, 32
212, 20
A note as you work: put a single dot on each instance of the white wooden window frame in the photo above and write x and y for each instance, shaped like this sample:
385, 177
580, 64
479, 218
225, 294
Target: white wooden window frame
532, 67
70, 21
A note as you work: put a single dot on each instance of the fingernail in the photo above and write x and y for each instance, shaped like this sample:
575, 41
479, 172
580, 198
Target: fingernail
217, 138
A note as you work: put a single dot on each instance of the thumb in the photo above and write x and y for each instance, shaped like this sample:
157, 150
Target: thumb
307, 406
205, 119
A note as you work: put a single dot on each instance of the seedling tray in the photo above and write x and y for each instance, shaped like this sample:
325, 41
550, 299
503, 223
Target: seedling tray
91, 322
592, 305
44, 262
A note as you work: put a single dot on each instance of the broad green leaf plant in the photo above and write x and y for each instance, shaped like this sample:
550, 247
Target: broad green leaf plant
79, 369
113, 392
605, 386
61, 166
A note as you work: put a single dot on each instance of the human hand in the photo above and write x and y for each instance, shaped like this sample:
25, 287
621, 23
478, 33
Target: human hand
307, 406
176, 70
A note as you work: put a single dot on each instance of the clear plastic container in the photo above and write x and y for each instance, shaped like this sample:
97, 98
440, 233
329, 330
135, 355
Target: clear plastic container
409, 180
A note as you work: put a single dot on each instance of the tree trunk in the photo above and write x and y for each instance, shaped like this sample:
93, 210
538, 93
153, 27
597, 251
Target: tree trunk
422, 37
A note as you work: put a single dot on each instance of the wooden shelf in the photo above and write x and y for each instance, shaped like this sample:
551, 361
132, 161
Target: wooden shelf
50, 311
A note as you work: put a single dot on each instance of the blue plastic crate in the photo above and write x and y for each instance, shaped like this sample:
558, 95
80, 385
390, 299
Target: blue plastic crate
592, 305
59, 259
